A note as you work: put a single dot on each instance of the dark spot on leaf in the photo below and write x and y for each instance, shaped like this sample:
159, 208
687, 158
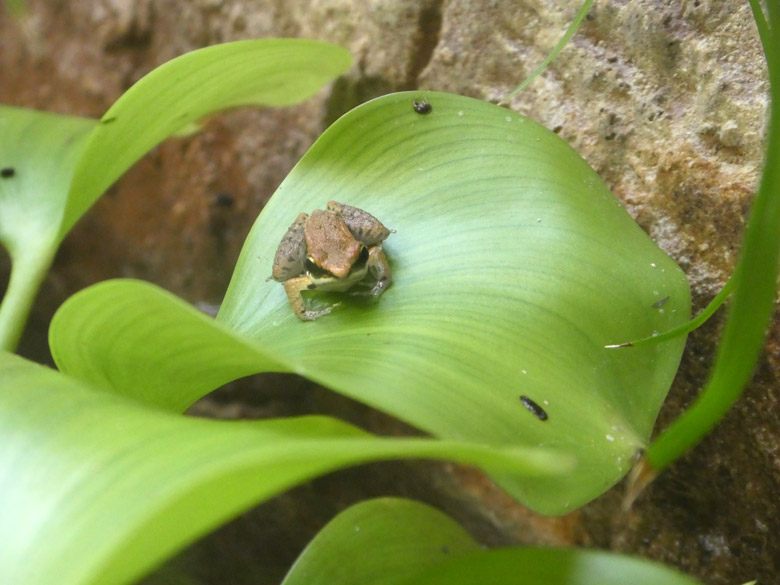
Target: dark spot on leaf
661, 303
422, 107
7, 172
534, 408
107, 120
312, 286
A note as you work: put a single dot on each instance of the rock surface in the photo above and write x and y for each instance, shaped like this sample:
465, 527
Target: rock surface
666, 100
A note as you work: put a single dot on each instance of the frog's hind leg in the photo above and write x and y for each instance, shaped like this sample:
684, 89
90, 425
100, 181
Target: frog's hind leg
291, 253
379, 269
294, 289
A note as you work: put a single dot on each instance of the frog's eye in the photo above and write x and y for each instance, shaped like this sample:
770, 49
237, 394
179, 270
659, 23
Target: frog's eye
314, 270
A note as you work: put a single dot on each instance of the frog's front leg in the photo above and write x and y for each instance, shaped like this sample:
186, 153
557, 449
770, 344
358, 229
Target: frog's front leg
379, 269
294, 289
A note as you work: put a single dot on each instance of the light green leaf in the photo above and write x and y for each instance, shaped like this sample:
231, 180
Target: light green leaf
384, 540
513, 267
38, 151
393, 541
270, 72
97, 489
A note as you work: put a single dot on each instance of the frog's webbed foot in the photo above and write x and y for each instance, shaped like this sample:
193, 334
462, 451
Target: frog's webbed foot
294, 289
379, 269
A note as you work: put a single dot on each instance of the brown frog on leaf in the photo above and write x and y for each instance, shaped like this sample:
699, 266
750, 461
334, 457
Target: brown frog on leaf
332, 250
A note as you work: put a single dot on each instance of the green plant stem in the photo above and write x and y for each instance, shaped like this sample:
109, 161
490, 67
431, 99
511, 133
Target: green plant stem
28, 269
761, 25
554, 53
754, 298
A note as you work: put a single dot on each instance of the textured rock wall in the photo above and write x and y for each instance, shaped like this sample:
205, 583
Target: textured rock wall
667, 101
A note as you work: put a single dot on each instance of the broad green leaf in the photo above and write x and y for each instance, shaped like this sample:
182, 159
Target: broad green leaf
38, 151
384, 540
513, 267
97, 489
391, 541
270, 72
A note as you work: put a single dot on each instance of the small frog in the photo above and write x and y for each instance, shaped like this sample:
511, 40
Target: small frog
332, 250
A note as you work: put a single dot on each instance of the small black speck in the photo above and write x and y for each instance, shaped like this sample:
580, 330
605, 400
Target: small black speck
223, 200
534, 408
7, 172
107, 120
312, 286
661, 303
422, 107
384, 278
